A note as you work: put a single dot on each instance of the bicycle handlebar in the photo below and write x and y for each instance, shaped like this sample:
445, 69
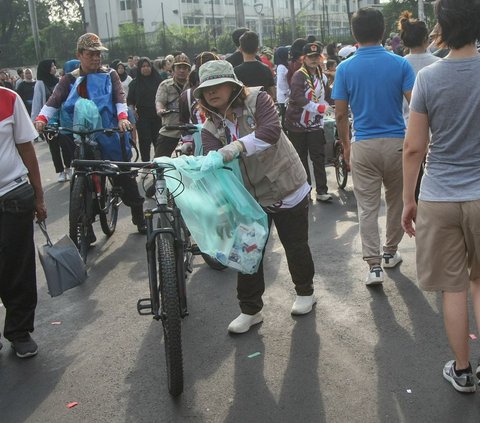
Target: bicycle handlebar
188, 127
106, 164
169, 111
57, 129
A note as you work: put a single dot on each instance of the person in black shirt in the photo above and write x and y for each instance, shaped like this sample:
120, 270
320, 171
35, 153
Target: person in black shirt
252, 72
25, 89
236, 58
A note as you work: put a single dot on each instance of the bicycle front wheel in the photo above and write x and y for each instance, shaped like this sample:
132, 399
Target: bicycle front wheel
78, 216
109, 202
341, 172
171, 317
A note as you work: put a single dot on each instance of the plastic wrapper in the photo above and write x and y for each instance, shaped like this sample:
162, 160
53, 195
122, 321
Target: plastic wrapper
223, 218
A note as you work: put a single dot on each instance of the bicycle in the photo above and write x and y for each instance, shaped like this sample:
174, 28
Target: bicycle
92, 191
169, 258
334, 151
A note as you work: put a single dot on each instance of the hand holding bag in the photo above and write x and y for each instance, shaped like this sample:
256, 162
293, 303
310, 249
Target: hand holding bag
62, 264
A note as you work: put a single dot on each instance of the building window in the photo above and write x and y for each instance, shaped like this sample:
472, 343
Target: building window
127, 4
192, 22
190, 1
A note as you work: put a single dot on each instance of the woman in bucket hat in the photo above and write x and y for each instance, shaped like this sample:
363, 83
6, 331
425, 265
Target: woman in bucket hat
244, 123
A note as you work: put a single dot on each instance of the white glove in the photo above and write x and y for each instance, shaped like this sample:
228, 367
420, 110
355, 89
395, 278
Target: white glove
231, 151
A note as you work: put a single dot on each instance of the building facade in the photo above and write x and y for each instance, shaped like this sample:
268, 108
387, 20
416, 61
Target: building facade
319, 17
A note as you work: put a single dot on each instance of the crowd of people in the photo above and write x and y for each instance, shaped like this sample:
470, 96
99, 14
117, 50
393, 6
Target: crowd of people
267, 108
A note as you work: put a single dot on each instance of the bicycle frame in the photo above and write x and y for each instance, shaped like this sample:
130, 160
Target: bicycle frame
175, 231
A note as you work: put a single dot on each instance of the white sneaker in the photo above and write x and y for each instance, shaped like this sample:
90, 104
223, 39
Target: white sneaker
68, 173
303, 304
244, 322
324, 197
62, 177
391, 260
374, 276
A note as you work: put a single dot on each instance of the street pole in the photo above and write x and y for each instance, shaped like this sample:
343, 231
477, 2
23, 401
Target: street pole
273, 20
214, 26
421, 10
164, 34
33, 20
239, 13
294, 21
259, 9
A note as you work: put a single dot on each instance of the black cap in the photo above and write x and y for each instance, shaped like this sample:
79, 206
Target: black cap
311, 49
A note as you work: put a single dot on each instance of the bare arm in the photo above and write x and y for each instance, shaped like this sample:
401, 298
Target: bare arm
343, 127
29, 158
414, 148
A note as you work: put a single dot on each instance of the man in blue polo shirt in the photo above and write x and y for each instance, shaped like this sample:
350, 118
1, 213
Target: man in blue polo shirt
373, 82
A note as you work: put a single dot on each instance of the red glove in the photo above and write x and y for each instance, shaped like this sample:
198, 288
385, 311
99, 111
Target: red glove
321, 108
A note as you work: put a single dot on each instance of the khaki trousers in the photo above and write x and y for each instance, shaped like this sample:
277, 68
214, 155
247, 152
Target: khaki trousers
375, 162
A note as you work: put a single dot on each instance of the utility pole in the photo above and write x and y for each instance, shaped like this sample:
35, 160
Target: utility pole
214, 26
273, 20
33, 20
421, 10
164, 34
294, 20
239, 13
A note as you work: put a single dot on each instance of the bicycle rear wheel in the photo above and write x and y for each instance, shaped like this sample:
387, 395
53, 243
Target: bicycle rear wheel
341, 172
78, 216
171, 317
109, 201
213, 262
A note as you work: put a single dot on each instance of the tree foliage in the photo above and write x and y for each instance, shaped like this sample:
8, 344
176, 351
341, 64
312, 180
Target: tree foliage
59, 23
392, 10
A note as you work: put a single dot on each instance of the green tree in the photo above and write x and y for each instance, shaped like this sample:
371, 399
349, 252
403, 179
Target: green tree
391, 12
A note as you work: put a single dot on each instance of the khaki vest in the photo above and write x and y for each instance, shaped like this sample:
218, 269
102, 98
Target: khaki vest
271, 174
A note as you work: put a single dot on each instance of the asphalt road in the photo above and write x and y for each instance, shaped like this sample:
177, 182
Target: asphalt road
362, 355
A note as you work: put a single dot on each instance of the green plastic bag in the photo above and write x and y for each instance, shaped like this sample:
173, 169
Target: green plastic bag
223, 218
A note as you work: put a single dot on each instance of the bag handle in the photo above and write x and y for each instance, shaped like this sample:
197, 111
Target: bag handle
43, 228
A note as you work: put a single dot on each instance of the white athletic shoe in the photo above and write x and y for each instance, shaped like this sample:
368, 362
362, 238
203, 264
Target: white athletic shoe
244, 322
303, 304
374, 276
391, 260
62, 177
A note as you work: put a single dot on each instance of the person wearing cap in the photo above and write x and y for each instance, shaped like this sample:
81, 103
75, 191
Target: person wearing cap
167, 104
304, 116
103, 86
346, 52
243, 123
373, 83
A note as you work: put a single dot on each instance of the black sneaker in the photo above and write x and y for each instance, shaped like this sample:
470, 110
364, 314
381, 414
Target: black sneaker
462, 383
25, 346
477, 373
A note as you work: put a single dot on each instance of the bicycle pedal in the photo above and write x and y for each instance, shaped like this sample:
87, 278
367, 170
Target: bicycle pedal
144, 307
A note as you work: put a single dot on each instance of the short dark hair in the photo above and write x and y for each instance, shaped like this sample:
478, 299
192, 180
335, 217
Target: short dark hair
459, 22
413, 32
237, 34
249, 42
330, 63
368, 25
